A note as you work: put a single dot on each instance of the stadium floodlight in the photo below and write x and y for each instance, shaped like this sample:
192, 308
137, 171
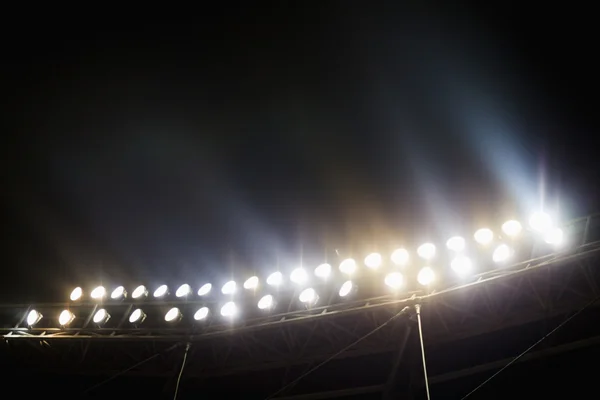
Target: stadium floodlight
400, 257
65, 318
347, 288
373, 260
554, 236
462, 265
201, 314
512, 228
266, 302
101, 316
76, 294
456, 244
229, 309
204, 289
501, 254
426, 276
229, 288
33, 317
484, 236
137, 316
275, 279
395, 280
251, 283
540, 222
161, 291
348, 266
98, 293
183, 290
118, 293
173, 315
323, 271
309, 297
139, 292
299, 276
426, 251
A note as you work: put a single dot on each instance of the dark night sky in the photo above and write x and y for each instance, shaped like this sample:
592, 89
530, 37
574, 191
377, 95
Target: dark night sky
148, 150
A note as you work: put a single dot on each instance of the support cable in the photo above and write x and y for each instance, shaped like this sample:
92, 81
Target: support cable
129, 369
292, 383
514, 360
187, 348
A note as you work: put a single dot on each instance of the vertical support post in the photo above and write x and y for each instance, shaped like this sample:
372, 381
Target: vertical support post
418, 310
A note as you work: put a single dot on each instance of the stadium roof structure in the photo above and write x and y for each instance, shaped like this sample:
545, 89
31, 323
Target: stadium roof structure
362, 347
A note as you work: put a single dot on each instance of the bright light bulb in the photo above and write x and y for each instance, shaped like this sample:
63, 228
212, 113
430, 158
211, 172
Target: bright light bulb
118, 293
139, 291
461, 265
346, 289
456, 244
554, 236
484, 236
400, 257
426, 276
137, 316
101, 316
229, 309
229, 288
395, 280
348, 266
173, 315
201, 314
373, 260
275, 279
512, 228
65, 318
98, 293
161, 291
323, 271
33, 317
251, 283
540, 222
501, 254
266, 302
426, 251
308, 296
76, 294
204, 289
299, 276
183, 290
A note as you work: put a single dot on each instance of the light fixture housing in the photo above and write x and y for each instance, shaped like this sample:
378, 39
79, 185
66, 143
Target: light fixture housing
426, 276
484, 236
161, 291
101, 317
139, 292
201, 314
373, 260
229, 288
229, 310
323, 271
299, 276
173, 315
348, 288
400, 257
275, 279
394, 280
348, 266
65, 318
137, 316
183, 290
251, 283
118, 293
309, 297
426, 251
512, 228
266, 302
204, 289
98, 293
33, 317
76, 294
456, 244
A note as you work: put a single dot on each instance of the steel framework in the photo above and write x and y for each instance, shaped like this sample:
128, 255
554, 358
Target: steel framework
535, 293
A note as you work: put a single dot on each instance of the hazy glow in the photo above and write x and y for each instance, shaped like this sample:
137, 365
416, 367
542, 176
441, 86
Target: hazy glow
426, 276
118, 293
400, 257
173, 314
299, 276
98, 293
512, 228
426, 251
348, 266
201, 314
161, 291
251, 283
204, 289
395, 280
323, 271
461, 265
540, 222
229, 309
65, 318
266, 302
308, 296
229, 288
101, 316
275, 279
346, 288
456, 244
502, 253
183, 290
554, 236
139, 292
484, 236
137, 316
373, 260
33, 317
76, 294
